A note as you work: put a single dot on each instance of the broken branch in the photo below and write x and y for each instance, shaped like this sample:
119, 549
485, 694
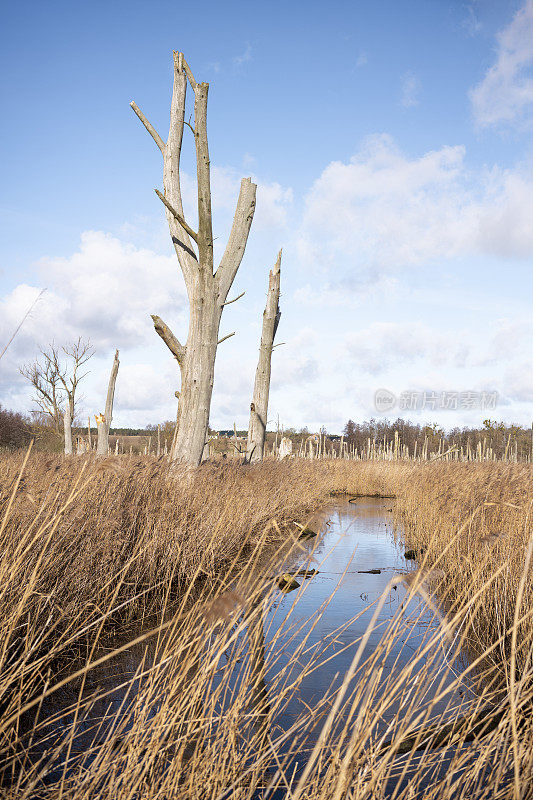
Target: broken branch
187, 228
149, 127
173, 344
229, 302
225, 337
188, 71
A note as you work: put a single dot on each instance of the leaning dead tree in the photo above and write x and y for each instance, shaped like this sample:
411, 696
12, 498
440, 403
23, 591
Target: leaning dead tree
103, 421
207, 289
259, 405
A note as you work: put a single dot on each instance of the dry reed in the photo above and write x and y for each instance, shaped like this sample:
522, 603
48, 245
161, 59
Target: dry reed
86, 544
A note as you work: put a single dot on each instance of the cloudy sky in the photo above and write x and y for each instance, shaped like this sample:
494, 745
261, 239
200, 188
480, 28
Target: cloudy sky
391, 144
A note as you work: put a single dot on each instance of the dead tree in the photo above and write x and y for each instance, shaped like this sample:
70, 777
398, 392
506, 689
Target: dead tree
55, 378
285, 448
259, 405
310, 443
102, 446
44, 378
77, 355
207, 289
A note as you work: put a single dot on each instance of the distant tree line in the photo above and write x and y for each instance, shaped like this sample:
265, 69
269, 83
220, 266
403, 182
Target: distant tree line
497, 435
17, 430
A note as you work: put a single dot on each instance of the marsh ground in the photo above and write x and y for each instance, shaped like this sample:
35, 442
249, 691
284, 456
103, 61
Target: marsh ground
92, 547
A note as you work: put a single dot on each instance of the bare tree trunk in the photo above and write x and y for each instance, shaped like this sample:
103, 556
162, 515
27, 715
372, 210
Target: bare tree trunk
259, 405
207, 289
285, 448
103, 428
67, 428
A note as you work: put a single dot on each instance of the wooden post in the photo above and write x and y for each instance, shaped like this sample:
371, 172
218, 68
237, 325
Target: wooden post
235, 442
102, 447
67, 429
259, 405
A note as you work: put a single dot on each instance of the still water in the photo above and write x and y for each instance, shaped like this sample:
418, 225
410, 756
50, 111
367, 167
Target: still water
361, 563
316, 630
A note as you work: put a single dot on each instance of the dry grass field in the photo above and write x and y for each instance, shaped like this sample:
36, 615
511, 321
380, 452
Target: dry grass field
474, 522
96, 551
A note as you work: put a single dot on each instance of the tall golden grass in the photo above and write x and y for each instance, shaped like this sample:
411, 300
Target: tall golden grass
92, 547
473, 521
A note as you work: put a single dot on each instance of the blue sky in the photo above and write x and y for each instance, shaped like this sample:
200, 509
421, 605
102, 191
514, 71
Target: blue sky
391, 144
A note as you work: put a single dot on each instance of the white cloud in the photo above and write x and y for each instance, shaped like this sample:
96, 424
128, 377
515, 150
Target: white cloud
272, 204
362, 59
518, 382
410, 90
44, 317
244, 57
506, 92
108, 288
471, 23
383, 212
140, 386
505, 227
294, 369
348, 292
105, 292
511, 339
13, 307
385, 345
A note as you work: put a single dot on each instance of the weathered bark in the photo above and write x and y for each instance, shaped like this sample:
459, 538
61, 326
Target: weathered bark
67, 429
207, 290
259, 406
285, 448
104, 425
311, 442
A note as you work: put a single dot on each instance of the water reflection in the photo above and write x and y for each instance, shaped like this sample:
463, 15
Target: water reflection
305, 638
358, 559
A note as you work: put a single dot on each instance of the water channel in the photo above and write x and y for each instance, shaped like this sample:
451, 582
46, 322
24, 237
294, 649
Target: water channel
357, 562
